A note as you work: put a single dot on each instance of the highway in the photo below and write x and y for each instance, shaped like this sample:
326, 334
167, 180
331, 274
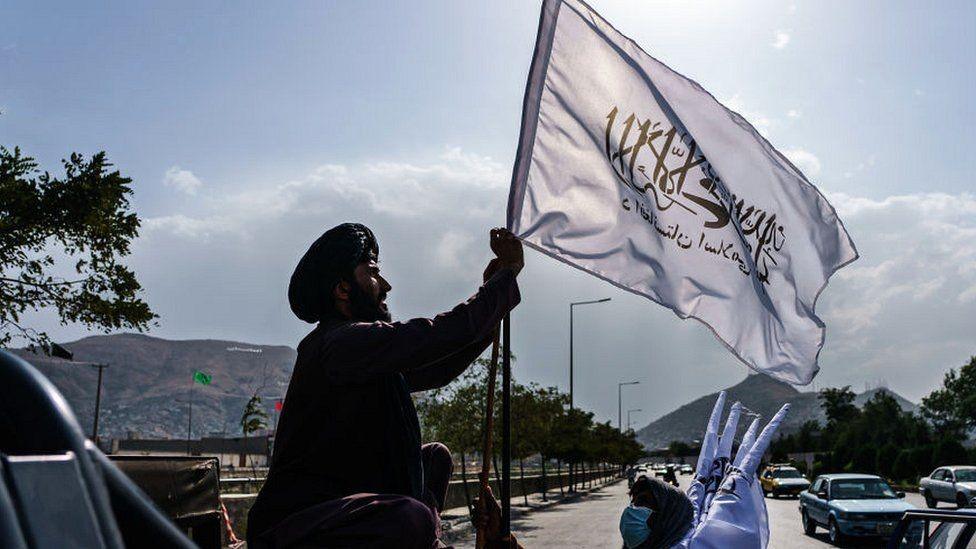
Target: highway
591, 522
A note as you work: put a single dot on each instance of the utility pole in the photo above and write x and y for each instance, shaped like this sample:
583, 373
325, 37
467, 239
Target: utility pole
571, 305
620, 387
98, 400
189, 419
57, 351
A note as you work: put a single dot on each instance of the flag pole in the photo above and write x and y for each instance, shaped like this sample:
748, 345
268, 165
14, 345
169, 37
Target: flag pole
189, 418
481, 539
506, 427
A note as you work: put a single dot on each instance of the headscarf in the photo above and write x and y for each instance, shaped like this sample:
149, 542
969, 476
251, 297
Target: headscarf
328, 260
672, 516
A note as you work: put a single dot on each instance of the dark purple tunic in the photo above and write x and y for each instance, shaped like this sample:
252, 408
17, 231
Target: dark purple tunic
348, 425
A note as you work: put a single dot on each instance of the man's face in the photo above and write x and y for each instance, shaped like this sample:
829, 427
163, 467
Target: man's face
367, 298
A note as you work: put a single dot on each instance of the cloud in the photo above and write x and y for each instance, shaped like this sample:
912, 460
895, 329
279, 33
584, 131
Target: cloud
808, 162
781, 40
793, 113
182, 180
918, 250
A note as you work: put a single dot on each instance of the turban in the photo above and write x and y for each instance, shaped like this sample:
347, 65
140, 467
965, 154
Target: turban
329, 259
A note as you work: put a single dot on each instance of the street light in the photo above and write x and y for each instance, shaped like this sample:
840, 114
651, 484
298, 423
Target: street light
620, 387
571, 305
628, 415
60, 352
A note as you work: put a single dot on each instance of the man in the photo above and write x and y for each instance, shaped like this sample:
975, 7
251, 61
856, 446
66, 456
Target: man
348, 468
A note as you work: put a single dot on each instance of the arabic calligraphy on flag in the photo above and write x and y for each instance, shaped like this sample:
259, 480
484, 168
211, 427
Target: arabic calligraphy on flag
634, 173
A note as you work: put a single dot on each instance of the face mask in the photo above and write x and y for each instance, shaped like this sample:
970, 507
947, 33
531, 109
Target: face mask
633, 525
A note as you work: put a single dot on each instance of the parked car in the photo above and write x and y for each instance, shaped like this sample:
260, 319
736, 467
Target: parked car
782, 480
686, 469
851, 505
942, 528
953, 484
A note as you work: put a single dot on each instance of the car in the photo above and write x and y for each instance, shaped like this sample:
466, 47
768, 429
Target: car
851, 505
926, 529
782, 480
953, 484
686, 469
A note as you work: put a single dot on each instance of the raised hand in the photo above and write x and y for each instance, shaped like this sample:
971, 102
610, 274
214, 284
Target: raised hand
729, 508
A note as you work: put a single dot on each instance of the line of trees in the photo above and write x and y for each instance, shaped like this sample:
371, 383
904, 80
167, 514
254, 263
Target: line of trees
543, 425
882, 438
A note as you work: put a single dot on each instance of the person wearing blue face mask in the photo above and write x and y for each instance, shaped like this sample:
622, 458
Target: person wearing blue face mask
659, 515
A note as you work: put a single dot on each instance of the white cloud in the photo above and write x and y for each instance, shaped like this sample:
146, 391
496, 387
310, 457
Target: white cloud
918, 257
182, 180
808, 162
782, 38
794, 113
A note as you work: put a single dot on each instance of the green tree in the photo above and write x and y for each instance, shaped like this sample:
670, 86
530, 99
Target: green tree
838, 405
77, 223
253, 419
952, 408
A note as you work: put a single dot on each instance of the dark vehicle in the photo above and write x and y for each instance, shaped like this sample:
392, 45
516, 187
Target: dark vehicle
851, 505
935, 529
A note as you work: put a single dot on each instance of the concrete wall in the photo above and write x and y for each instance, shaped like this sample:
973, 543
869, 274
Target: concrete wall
238, 504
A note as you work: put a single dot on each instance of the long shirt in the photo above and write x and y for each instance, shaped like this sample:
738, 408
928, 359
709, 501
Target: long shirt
348, 424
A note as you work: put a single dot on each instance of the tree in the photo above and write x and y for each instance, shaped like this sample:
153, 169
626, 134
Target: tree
952, 409
253, 419
77, 223
838, 404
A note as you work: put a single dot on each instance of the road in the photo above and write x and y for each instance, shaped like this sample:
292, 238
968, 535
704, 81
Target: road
592, 522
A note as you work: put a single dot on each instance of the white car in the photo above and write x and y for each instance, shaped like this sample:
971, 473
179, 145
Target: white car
952, 484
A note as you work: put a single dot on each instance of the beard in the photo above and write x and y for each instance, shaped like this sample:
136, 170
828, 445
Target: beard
366, 308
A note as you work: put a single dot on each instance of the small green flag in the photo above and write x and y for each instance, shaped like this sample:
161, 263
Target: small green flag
201, 378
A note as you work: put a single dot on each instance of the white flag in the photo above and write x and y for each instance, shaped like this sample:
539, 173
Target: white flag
634, 173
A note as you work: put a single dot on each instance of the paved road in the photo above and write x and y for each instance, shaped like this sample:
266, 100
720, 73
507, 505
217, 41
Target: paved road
591, 522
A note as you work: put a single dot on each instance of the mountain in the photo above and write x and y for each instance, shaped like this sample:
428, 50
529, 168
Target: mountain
759, 394
146, 387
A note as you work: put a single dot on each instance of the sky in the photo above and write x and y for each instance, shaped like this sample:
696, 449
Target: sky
250, 128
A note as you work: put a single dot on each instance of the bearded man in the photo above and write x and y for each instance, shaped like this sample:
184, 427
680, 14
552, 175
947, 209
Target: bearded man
348, 468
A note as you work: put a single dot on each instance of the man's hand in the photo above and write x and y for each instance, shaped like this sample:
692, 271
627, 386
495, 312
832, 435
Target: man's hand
508, 252
488, 518
488, 515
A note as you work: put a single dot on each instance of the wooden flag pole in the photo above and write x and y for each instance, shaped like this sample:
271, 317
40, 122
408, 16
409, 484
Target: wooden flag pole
486, 449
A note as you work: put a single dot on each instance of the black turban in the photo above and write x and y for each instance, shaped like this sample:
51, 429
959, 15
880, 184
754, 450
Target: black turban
331, 258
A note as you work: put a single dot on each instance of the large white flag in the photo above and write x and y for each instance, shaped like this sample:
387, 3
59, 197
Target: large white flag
634, 173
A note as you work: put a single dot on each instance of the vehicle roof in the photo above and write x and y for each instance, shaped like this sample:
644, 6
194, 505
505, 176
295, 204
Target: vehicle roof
781, 467
841, 476
957, 467
968, 514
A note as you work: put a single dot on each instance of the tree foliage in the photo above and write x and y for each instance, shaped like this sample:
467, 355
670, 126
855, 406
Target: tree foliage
883, 439
62, 239
543, 424
952, 408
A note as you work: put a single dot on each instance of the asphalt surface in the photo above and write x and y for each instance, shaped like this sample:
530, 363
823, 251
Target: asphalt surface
592, 520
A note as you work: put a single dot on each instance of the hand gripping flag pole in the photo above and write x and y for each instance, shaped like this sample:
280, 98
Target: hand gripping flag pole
486, 449
483, 476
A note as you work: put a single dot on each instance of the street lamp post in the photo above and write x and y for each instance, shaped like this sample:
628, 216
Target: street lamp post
620, 387
571, 305
628, 415
58, 351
